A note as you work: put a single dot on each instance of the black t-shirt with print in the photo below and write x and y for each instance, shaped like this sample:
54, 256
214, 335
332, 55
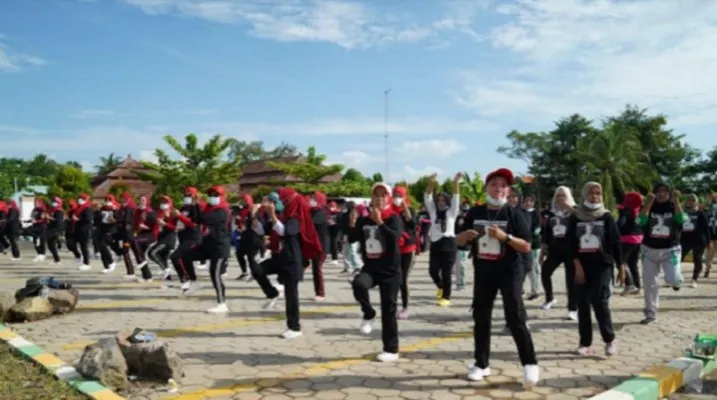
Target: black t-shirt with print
555, 232
379, 245
662, 230
595, 243
488, 252
711, 212
695, 230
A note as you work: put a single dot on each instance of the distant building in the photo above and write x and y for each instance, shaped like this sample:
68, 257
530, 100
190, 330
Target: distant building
25, 199
122, 174
259, 173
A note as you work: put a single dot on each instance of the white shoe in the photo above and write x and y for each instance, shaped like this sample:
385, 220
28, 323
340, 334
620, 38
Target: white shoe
477, 374
548, 305
319, 299
573, 315
166, 273
270, 303
289, 334
58, 262
202, 266
185, 286
40, 257
16, 259
366, 326
224, 275
219, 309
387, 357
84, 267
112, 267
130, 277
140, 280
279, 288
531, 376
693, 285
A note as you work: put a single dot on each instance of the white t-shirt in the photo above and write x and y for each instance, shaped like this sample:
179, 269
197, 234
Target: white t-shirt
436, 232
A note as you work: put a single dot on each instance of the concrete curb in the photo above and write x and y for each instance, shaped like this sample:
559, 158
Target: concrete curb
660, 381
90, 388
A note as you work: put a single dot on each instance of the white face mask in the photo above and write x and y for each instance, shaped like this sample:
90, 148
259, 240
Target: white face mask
53, 204
398, 201
530, 209
164, 206
80, 201
496, 202
213, 201
312, 203
591, 206
187, 200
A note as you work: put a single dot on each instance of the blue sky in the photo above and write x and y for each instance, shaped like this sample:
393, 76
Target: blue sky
82, 78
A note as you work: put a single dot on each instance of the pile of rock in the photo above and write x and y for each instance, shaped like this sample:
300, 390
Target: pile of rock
41, 298
111, 361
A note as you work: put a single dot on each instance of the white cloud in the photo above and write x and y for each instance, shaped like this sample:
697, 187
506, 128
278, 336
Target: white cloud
346, 23
147, 155
13, 61
410, 174
596, 56
436, 148
88, 114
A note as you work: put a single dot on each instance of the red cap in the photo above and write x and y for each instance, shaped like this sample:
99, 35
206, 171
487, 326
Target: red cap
504, 172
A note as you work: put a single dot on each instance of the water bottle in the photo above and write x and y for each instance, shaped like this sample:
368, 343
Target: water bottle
44, 292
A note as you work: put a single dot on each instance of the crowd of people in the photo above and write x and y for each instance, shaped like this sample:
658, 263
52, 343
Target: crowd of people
287, 233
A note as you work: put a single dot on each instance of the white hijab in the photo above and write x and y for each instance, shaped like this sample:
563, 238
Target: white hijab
569, 200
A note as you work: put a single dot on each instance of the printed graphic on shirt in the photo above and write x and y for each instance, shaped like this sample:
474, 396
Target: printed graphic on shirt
661, 225
689, 225
590, 236
489, 248
107, 216
713, 221
375, 242
559, 226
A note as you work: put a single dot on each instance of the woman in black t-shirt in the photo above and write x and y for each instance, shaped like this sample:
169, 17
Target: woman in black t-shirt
496, 233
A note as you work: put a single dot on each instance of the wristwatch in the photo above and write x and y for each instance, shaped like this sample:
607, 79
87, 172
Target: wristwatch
508, 239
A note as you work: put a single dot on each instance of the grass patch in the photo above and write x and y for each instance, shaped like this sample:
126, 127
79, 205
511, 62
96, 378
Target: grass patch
21, 379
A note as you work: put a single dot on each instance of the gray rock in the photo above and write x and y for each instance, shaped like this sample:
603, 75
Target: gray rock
152, 361
7, 300
30, 309
63, 300
104, 361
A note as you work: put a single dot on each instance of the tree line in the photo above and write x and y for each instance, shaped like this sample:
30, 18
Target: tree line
629, 151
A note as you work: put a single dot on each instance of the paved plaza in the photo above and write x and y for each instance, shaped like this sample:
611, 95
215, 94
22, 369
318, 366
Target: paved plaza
240, 355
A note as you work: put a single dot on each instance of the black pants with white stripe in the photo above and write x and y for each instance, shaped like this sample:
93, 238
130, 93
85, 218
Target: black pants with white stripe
217, 258
160, 250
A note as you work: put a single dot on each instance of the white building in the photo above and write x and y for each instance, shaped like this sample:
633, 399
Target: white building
25, 200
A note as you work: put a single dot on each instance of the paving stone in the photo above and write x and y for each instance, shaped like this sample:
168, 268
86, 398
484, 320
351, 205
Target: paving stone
333, 360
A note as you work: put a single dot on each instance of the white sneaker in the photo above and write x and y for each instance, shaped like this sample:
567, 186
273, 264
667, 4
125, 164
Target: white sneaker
477, 374
140, 280
531, 376
40, 257
130, 277
219, 309
319, 299
548, 305
387, 357
270, 303
84, 267
58, 262
289, 334
185, 286
366, 326
16, 259
693, 284
279, 288
572, 315
112, 267
224, 275
202, 266
166, 273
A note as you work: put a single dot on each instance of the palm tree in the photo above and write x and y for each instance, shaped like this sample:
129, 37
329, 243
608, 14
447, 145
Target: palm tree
107, 164
614, 158
472, 188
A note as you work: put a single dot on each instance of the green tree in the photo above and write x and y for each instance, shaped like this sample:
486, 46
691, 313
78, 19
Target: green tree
118, 188
69, 182
614, 157
198, 166
310, 171
377, 177
354, 175
247, 152
472, 188
107, 164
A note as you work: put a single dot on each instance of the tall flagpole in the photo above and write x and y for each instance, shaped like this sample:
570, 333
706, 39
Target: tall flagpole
385, 133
